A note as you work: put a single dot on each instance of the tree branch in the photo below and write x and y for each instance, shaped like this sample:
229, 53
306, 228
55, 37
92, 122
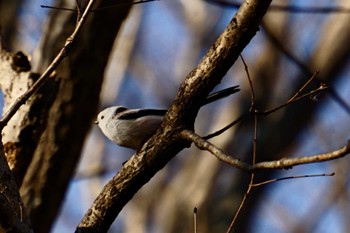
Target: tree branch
284, 163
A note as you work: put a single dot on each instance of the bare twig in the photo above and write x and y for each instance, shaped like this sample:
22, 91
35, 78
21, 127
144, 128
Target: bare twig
252, 93
255, 141
195, 210
290, 162
304, 86
205, 145
291, 177
230, 228
253, 110
297, 96
252, 175
290, 8
284, 163
50, 69
220, 131
292, 57
292, 100
98, 9
252, 185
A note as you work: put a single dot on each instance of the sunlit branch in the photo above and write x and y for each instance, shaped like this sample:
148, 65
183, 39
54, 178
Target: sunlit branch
284, 163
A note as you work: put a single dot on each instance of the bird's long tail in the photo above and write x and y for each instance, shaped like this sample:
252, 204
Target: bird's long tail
221, 94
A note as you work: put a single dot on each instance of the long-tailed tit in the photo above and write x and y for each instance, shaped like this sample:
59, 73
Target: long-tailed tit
132, 127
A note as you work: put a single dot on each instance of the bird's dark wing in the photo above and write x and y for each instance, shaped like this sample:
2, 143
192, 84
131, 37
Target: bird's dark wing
141, 113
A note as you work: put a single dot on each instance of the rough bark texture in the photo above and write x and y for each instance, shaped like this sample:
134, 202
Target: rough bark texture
19, 139
13, 217
21, 135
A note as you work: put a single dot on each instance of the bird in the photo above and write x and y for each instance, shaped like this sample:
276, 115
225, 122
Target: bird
132, 127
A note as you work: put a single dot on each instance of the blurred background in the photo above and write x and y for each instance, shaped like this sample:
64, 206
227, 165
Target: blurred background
159, 44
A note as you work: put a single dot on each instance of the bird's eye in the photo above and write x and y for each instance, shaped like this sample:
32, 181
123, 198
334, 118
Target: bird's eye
102, 117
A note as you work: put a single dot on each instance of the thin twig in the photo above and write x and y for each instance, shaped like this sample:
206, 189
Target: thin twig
58, 8
255, 141
279, 45
304, 86
291, 177
46, 75
284, 163
252, 185
220, 131
252, 175
290, 162
195, 219
290, 8
98, 9
252, 93
292, 100
230, 228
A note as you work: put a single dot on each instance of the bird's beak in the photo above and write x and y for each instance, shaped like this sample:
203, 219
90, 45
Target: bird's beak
96, 122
